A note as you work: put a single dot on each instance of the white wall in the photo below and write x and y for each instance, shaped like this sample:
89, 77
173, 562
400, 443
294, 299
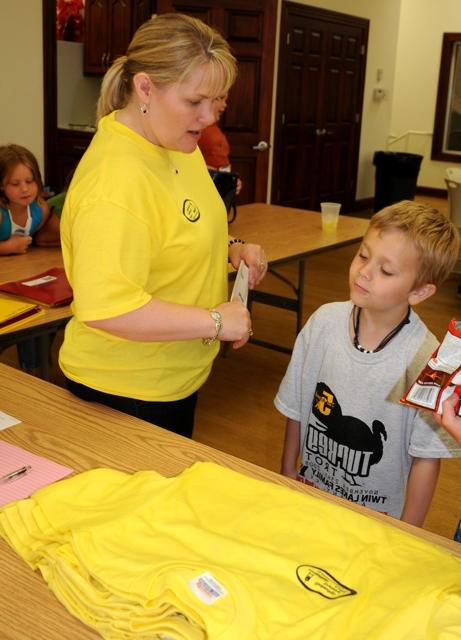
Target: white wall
419, 49
77, 95
21, 75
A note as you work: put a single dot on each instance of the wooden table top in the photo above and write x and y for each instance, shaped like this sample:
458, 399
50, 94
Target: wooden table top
26, 265
291, 234
82, 436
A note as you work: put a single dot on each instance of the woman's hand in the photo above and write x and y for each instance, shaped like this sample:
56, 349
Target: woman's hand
253, 256
236, 323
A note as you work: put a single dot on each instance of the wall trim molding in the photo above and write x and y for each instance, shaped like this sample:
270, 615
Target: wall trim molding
363, 204
432, 191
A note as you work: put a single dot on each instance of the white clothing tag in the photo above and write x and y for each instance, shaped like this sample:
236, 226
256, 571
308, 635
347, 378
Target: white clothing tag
240, 289
207, 588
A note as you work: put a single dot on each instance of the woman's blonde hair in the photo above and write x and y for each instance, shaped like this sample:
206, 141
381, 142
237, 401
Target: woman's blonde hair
435, 237
10, 156
168, 47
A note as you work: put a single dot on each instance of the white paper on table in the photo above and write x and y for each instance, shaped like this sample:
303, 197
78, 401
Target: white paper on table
240, 289
7, 421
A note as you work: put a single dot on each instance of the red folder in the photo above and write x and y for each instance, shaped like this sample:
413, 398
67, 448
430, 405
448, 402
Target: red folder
50, 287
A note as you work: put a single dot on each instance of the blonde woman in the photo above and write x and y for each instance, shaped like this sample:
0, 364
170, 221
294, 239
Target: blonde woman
144, 232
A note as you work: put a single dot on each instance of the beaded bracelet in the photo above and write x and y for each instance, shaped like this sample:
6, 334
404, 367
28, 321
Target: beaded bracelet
236, 241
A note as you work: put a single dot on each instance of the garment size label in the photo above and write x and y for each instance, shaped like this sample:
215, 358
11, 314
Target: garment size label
207, 588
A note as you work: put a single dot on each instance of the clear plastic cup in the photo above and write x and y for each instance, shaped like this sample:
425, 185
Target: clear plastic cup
330, 214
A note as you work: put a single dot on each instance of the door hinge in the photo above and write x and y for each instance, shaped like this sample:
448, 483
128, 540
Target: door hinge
288, 38
283, 118
362, 49
357, 118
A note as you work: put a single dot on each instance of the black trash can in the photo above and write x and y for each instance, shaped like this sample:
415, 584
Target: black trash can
396, 176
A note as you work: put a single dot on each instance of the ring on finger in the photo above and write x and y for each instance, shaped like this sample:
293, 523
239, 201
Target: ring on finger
250, 332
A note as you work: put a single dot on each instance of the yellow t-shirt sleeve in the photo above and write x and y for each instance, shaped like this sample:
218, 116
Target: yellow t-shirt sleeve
110, 264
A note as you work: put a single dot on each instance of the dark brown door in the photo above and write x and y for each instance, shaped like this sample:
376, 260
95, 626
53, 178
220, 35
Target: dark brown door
319, 107
249, 27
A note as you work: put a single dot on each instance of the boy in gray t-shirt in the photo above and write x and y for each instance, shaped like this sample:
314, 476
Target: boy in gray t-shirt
353, 361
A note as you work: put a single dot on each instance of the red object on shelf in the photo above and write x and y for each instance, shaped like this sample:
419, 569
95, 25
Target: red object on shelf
70, 16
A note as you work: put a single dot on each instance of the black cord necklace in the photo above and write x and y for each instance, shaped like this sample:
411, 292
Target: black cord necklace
356, 319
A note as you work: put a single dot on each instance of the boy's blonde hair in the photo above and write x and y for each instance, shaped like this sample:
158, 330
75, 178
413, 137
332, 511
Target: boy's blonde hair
10, 156
435, 237
168, 48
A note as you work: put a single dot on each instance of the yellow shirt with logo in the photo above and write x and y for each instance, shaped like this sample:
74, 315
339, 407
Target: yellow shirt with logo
213, 554
140, 222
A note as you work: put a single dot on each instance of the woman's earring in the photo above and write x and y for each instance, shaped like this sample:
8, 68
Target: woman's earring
144, 109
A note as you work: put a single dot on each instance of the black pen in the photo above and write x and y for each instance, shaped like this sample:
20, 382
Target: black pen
16, 474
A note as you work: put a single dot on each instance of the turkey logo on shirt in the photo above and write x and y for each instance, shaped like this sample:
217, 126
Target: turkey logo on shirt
345, 441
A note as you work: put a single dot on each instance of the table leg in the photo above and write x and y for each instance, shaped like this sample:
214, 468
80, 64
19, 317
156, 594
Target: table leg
44, 354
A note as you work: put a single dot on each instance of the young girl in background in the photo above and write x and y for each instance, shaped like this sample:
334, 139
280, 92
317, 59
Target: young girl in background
24, 216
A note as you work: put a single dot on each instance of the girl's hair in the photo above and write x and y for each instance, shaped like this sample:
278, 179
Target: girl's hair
435, 237
168, 47
10, 156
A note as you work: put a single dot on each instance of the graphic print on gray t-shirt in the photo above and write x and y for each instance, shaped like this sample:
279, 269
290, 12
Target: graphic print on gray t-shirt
346, 442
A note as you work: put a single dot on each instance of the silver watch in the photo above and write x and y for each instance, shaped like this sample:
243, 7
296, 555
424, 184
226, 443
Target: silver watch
218, 325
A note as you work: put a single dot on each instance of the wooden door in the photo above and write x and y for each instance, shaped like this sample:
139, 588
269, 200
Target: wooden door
319, 106
249, 27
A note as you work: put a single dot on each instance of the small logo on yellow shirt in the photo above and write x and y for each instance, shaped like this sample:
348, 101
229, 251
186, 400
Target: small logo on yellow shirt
320, 581
190, 211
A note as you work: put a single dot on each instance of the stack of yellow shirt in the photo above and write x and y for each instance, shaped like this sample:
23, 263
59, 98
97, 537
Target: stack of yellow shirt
215, 554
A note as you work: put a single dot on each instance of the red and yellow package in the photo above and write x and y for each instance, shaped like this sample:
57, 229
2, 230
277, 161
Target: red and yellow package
441, 376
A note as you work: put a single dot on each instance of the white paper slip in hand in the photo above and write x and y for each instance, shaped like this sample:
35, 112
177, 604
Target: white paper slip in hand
240, 290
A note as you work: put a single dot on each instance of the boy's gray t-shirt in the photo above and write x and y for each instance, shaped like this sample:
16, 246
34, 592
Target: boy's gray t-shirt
357, 440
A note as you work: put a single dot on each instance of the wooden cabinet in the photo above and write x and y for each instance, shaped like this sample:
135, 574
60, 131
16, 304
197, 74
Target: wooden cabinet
109, 27
71, 145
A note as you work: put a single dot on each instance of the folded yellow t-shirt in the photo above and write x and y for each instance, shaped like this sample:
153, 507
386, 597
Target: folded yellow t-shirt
215, 554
